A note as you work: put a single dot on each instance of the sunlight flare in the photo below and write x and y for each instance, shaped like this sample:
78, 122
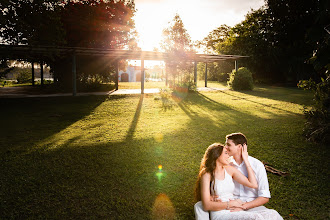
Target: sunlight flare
163, 208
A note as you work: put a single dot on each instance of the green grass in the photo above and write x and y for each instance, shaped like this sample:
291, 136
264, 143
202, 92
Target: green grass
97, 157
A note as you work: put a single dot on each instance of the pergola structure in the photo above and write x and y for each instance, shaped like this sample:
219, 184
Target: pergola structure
26, 52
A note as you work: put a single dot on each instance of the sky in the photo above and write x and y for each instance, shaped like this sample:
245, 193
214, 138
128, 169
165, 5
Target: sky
199, 17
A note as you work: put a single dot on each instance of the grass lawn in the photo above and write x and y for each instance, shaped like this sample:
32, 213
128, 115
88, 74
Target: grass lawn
98, 157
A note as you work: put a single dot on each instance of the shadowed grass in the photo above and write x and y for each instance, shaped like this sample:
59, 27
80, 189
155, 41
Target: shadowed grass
97, 157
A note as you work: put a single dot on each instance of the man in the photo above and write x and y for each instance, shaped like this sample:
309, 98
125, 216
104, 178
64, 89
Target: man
253, 199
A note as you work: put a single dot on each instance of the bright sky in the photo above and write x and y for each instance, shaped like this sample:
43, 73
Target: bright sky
199, 17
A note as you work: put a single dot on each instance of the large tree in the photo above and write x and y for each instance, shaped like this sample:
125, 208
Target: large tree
209, 45
34, 22
176, 41
105, 24
276, 39
98, 23
95, 24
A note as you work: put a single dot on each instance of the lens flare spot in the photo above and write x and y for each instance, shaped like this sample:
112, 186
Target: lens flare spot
159, 137
159, 175
163, 208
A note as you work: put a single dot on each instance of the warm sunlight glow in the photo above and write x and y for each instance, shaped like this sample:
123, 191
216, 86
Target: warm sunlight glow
159, 137
199, 17
163, 208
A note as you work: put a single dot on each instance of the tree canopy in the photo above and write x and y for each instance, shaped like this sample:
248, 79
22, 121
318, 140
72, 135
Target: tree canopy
280, 39
105, 24
177, 42
83, 23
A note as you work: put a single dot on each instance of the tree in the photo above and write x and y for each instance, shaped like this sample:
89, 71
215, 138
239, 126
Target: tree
95, 24
176, 41
275, 38
98, 23
209, 43
216, 36
104, 24
317, 126
28, 22
252, 37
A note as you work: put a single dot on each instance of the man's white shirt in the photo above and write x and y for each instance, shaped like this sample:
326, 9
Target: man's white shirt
248, 194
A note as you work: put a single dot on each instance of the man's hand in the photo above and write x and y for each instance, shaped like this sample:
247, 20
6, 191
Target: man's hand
245, 153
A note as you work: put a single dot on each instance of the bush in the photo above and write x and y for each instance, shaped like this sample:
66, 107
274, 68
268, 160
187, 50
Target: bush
317, 127
24, 76
223, 77
242, 80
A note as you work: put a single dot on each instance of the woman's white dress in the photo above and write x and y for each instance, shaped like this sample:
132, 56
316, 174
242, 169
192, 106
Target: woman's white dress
224, 190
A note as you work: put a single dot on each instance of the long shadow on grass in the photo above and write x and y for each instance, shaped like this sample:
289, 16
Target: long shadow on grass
287, 94
258, 103
132, 128
101, 181
29, 120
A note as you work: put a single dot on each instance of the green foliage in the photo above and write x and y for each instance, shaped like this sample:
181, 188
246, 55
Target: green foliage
93, 23
4, 68
215, 70
31, 22
176, 41
23, 76
215, 37
277, 39
223, 77
317, 127
175, 37
241, 80
98, 24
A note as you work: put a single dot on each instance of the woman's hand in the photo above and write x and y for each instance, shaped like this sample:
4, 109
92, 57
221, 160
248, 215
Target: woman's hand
245, 153
235, 204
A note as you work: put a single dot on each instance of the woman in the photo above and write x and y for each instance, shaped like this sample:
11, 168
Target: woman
216, 179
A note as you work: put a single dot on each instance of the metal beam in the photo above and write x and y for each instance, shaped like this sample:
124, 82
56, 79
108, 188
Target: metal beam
236, 65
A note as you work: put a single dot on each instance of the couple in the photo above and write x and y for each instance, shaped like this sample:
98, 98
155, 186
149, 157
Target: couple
236, 190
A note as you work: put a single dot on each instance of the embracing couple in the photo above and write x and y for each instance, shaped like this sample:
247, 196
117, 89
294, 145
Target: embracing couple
232, 190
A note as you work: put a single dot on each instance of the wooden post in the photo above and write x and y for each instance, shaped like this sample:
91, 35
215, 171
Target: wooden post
42, 72
32, 73
117, 73
195, 74
142, 76
205, 74
74, 75
236, 65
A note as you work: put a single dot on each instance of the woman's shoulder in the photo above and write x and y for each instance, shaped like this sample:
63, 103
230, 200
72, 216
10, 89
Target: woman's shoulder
230, 170
206, 175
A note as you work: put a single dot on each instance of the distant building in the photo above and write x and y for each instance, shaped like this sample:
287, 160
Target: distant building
132, 74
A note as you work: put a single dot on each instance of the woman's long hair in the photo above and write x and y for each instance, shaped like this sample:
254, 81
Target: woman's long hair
208, 165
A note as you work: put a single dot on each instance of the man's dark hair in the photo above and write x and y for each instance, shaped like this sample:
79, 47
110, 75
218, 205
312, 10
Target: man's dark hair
237, 138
